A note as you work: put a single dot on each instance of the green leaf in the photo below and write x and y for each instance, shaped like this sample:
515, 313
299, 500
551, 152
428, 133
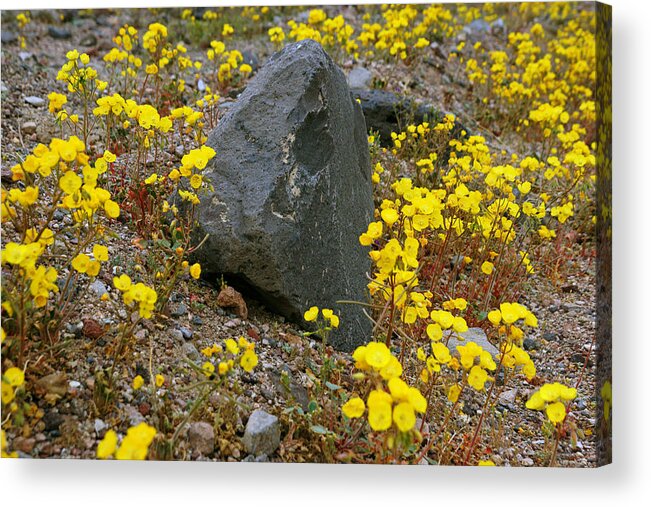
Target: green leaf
312, 406
331, 386
320, 430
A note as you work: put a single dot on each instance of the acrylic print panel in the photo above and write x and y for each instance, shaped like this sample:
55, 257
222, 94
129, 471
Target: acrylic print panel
340, 234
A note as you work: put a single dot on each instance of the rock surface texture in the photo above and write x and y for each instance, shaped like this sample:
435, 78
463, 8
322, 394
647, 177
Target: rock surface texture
293, 192
262, 434
386, 112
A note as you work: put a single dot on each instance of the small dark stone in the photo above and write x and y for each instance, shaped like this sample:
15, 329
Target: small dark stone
187, 333
58, 33
52, 420
197, 321
530, 344
178, 310
75, 329
550, 337
142, 371
89, 40
580, 359
250, 58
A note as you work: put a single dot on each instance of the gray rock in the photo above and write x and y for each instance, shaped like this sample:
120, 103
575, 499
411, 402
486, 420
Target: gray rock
88, 40
251, 59
8, 36
186, 333
477, 29
530, 344
201, 437
134, 416
3, 88
527, 462
100, 426
24, 55
233, 323
498, 27
359, 77
262, 434
292, 192
177, 335
385, 112
58, 33
190, 351
294, 392
178, 309
98, 288
263, 458
507, 398
141, 334
457, 261
75, 329
197, 321
29, 127
35, 101
474, 334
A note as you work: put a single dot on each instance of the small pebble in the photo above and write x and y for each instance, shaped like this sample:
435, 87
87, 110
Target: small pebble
35, 101
58, 33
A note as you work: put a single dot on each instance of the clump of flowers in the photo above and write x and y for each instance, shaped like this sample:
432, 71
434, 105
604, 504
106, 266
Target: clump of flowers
23, 19
35, 262
554, 399
391, 405
134, 445
224, 359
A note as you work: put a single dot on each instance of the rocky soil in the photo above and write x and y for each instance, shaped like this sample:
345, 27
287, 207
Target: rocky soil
563, 348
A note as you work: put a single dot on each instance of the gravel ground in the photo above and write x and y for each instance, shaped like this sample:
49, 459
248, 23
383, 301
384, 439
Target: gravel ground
562, 347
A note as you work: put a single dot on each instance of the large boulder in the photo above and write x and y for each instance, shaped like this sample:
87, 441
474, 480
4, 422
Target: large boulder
292, 192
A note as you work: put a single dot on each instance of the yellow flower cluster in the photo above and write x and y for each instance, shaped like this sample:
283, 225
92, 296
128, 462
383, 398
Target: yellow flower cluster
329, 316
12, 379
134, 445
397, 404
80, 77
506, 318
240, 352
136, 293
553, 399
76, 191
